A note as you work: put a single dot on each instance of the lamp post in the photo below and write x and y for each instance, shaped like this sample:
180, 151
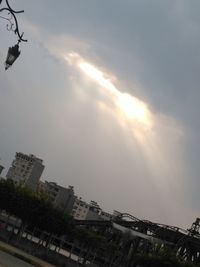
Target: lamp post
12, 25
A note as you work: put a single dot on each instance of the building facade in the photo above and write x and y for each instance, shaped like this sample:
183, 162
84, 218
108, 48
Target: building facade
80, 209
61, 197
92, 211
26, 170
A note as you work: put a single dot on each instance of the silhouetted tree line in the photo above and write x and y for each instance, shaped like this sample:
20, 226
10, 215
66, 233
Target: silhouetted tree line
33, 210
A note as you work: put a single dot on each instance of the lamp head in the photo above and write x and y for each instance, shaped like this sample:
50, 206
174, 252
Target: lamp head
13, 54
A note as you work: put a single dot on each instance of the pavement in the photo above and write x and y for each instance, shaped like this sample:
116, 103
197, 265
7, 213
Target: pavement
23, 255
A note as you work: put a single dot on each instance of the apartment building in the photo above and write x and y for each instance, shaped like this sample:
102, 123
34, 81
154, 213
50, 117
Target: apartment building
80, 209
61, 197
26, 170
92, 211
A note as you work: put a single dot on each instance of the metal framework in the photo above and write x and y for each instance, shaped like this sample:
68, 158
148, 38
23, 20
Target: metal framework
147, 234
11, 18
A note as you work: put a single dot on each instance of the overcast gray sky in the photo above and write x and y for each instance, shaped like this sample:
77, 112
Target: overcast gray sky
107, 94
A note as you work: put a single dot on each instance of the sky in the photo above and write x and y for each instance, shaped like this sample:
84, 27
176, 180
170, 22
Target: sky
107, 94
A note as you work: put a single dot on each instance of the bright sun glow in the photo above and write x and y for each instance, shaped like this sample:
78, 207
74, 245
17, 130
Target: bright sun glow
128, 106
135, 109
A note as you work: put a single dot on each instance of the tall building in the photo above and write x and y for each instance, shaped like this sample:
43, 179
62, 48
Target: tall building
26, 170
61, 197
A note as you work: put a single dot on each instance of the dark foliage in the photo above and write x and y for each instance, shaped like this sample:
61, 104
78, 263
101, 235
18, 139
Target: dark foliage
33, 210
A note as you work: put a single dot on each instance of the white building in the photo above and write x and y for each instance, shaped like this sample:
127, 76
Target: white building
89, 211
92, 211
61, 197
80, 209
26, 170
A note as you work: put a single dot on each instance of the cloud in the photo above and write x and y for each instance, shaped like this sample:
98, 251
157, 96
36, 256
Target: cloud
156, 137
85, 128
151, 141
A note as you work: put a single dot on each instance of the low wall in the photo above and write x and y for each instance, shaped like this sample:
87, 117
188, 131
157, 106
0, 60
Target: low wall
36, 250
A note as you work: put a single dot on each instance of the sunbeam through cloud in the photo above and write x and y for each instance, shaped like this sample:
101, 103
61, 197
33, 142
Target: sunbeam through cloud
127, 107
157, 135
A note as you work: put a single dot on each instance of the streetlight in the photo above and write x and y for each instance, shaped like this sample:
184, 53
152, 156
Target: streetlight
13, 52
